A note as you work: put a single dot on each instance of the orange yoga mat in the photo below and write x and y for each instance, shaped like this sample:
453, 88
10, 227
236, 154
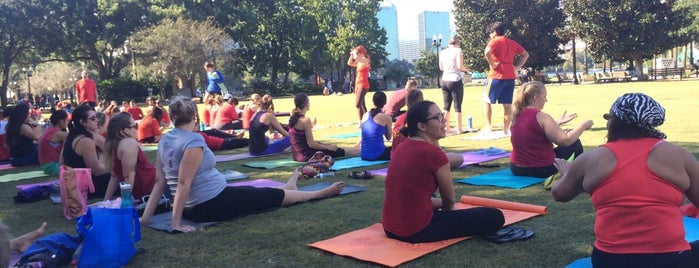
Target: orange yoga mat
371, 244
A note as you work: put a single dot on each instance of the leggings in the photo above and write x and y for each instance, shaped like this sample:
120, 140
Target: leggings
453, 91
687, 258
100, 182
456, 223
544, 172
233, 143
234, 202
276, 146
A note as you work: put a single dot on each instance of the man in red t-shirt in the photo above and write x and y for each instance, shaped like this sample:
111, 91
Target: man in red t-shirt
501, 53
86, 90
135, 111
398, 99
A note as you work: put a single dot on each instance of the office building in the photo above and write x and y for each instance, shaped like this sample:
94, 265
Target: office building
388, 20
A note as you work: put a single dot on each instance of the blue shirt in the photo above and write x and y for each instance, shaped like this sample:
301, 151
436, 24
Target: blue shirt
213, 79
372, 139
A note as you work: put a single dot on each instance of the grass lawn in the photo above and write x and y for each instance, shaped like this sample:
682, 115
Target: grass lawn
279, 238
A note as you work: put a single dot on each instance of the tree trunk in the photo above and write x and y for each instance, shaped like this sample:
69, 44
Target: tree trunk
639, 68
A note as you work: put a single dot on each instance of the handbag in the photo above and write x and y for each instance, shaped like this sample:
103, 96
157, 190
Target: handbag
318, 163
74, 186
110, 236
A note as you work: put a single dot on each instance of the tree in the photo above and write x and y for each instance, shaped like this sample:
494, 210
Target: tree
397, 70
177, 49
629, 29
428, 66
533, 25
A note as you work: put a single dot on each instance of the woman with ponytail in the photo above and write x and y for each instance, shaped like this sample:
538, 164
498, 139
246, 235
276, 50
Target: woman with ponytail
303, 145
375, 126
361, 60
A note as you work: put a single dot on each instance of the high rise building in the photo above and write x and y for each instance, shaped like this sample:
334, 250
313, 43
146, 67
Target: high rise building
430, 24
409, 50
388, 20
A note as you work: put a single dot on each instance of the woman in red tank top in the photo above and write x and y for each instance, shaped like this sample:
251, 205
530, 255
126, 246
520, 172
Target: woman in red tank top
360, 59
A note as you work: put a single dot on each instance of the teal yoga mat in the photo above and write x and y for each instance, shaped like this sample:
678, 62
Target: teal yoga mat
22, 176
324, 184
691, 234
344, 135
502, 178
274, 163
355, 162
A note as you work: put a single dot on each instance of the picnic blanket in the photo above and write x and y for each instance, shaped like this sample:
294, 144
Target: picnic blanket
470, 158
344, 135
371, 244
691, 234
502, 178
354, 162
22, 176
493, 135
163, 222
274, 163
240, 156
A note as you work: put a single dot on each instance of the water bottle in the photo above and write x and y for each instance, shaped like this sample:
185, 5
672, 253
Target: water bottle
126, 199
469, 121
76, 256
276, 135
202, 127
326, 174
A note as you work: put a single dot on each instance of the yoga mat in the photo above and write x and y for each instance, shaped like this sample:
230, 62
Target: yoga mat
259, 183
5, 166
4, 162
232, 175
344, 135
691, 234
470, 158
149, 148
371, 244
324, 184
22, 176
355, 162
494, 135
275, 163
502, 178
241, 156
14, 258
25, 186
163, 222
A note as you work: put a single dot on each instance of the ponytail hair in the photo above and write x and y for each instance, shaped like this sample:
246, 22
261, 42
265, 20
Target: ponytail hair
300, 102
524, 95
417, 113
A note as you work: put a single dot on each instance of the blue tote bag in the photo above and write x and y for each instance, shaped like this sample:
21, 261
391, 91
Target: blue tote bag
110, 236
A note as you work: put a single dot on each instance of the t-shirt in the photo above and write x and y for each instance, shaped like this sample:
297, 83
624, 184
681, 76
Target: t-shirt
86, 90
410, 183
136, 113
395, 102
148, 127
226, 114
504, 50
448, 57
49, 151
530, 146
214, 81
246, 116
207, 182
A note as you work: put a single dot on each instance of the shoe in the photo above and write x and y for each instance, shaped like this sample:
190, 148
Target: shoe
508, 234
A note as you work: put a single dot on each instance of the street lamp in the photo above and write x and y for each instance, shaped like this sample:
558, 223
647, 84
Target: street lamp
29, 73
437, 42
128, 49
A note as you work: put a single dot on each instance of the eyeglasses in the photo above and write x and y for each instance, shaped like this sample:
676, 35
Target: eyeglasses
607, 116
440, 118
134, 126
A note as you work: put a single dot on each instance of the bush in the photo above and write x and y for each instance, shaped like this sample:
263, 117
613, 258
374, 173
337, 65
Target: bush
122, 89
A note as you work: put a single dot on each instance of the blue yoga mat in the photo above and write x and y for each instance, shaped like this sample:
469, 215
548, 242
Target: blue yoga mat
691, 233
355, 162
324, 184
344, 135
502, 178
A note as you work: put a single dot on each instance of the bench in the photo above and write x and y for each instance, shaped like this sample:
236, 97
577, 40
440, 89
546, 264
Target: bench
564, 78
612, 77
666, 72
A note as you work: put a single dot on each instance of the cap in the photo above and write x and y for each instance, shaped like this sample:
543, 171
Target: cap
227, 96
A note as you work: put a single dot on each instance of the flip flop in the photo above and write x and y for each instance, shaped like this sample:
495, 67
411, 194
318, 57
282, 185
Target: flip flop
361, 175
509, 234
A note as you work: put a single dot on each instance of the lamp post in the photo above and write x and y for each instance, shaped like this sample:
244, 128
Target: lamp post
437, 42
29, 73
128, 49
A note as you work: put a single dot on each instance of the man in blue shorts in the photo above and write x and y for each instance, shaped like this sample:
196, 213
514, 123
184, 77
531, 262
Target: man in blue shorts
500, 54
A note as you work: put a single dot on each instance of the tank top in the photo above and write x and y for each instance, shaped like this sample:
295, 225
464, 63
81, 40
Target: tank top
362, 80
300, 150
70, 157
145, 174
372, 139
451, 70
23, 147
258, 141
637, 211
530, 146
49, 151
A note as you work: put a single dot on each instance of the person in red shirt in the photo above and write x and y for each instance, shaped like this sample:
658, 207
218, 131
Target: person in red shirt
250, 109
227, 115
51, 142
134, 110
86, 90
398, 99
417, 170
500, 54
149, 127
361, 60
166, 115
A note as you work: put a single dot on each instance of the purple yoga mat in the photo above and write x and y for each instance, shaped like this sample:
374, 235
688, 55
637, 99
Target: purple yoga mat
240, 156
259, 183
470, 158
25, 186
5, 166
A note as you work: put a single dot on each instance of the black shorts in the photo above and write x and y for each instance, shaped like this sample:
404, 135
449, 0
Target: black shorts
234, 202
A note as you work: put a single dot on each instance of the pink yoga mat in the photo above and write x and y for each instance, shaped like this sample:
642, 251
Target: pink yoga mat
470, 158
6, 166
259, 183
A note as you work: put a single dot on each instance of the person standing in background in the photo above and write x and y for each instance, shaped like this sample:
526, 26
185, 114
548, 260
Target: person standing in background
214, 81
500, 53
451, 63
86, 90
360, 59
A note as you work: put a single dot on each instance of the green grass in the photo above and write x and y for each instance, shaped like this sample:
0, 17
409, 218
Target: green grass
278, 238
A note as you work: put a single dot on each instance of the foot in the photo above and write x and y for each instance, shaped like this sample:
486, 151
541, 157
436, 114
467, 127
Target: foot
291, 184
22, 243
333, 190
486, 130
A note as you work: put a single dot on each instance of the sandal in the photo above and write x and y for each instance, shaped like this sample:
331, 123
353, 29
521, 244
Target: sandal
361, 175
508, 234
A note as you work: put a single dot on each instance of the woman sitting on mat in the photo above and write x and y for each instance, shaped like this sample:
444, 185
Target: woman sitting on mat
127, 161
303, 146
637, 182
375, 126
187, 166
261, 123
21, 132
418, 169
534, 131
218, 140
80, 150
149, 127
51, 142
250, 109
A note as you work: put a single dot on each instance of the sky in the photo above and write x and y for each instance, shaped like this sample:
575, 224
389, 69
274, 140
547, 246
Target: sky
409, 9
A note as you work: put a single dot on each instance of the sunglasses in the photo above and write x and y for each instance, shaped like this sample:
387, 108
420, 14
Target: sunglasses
607, 116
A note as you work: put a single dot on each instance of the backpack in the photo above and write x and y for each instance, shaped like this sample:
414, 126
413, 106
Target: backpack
53, 250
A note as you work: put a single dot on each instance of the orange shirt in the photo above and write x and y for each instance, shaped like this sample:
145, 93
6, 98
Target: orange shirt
86, 90
148, 127
504, 50
362, 80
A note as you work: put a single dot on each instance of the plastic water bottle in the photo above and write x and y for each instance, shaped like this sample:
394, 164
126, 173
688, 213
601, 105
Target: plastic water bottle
126, 199
326, 174
276, 135
202, 127
469, 121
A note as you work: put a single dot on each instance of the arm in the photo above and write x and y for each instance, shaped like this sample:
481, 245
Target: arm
522, 59
554, 132
692, 167
387, 122
31, 130
571, 183
308, 128
190, 160
489, 57
271, 120
85, 147
351, 62
460, 62
157, 191
446, 188
59, 136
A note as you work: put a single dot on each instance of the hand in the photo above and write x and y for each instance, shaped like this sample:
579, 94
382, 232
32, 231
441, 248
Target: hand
184, 228
565, 118
144, 221
587, 124
332, 147
562, 165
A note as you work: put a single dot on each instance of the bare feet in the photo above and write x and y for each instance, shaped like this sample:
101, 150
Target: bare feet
291, 184
333, 190
20, 244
